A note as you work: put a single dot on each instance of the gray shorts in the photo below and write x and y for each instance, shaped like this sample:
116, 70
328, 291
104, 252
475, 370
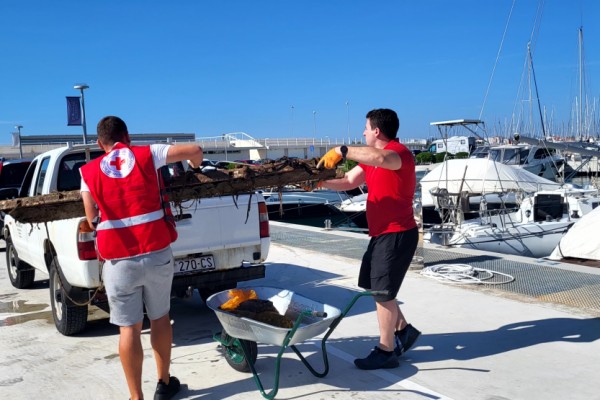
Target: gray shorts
134, 282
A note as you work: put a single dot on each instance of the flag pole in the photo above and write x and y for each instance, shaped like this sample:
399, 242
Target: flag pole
82, 87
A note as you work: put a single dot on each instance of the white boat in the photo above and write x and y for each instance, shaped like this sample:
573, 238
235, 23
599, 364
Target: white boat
532, 230
476, 181
355, 209
538, 160
294, 203
580, 241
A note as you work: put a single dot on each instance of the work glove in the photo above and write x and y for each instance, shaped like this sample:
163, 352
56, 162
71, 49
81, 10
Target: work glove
330, 160
310, 186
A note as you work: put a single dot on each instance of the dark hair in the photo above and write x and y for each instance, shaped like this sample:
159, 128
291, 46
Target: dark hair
111, 130
386, 120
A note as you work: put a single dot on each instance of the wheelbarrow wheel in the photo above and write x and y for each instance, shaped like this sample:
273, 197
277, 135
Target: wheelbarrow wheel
235, 355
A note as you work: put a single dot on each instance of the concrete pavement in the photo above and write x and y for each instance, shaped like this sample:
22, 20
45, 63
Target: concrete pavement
477, 343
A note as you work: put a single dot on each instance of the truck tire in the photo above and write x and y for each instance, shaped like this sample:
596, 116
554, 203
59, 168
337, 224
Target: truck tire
69, 318
206, 292
20, 273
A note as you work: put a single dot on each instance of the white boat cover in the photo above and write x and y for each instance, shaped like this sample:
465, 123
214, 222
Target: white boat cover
481, 175
579, 241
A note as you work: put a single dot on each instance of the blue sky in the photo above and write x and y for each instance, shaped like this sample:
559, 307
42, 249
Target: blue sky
213, 67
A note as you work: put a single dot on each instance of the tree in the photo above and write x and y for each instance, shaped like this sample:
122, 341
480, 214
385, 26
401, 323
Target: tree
424, 158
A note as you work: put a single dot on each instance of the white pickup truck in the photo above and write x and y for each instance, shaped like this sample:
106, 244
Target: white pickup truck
222, 241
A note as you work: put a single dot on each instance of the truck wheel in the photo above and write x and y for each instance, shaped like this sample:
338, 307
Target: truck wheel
19, 277
206, 292
235, 355
69, 318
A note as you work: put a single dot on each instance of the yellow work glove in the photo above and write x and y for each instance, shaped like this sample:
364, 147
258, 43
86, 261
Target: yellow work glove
330, 160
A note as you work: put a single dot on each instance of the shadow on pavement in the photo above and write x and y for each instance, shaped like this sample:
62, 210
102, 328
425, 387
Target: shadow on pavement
472, 345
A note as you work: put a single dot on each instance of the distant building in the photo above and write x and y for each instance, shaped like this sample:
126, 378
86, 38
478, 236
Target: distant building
78, 139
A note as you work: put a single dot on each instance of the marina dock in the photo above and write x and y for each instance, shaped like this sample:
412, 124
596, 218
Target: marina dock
537, 337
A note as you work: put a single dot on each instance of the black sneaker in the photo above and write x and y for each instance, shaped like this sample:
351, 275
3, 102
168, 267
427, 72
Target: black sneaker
166, 392
405, 339
377, 359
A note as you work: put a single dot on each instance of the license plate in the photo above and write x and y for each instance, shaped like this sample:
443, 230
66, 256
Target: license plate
186, 265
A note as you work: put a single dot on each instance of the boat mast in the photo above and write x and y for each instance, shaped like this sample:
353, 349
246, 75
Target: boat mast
580, 113
537, 94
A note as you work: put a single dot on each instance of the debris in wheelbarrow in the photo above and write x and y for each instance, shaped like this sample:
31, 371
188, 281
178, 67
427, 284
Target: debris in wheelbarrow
246, 303
263, 311
236, 297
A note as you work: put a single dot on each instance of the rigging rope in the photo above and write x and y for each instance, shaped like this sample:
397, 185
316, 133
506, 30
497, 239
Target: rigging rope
496, 62
463, 273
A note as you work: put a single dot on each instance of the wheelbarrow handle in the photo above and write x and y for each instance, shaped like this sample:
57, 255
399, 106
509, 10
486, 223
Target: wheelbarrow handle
318, 314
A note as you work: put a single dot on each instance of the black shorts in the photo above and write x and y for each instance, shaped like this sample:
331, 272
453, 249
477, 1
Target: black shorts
386, 261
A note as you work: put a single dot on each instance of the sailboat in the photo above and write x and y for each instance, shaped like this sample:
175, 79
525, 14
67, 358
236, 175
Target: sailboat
531, 226
533, 229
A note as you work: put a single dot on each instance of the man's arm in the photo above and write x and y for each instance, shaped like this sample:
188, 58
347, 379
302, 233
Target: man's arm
351, 179
89, 204
191, 152
382, 158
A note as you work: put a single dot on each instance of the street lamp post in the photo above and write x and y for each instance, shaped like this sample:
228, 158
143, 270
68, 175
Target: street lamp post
81, 87
18, 128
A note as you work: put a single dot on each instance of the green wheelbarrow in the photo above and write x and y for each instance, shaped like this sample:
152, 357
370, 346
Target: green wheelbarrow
240, 335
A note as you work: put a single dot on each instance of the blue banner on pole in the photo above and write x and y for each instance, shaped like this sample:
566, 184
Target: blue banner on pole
73, 111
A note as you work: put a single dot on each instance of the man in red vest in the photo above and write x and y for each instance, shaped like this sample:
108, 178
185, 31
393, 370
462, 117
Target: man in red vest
388, 169
134, 234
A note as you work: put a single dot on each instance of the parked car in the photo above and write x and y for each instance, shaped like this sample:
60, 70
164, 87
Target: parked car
12, 173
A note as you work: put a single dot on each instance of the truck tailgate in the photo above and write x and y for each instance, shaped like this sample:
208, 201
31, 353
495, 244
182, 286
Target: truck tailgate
216, 223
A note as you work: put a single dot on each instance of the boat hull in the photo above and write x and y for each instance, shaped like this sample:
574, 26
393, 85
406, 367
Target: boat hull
529, 240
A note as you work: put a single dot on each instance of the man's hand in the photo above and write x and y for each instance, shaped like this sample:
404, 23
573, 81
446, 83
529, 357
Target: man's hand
330, 160
310, 186
196, 170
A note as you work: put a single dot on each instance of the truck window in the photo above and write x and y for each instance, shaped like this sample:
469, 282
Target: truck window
27, 180
41, 176
169, 171
11, 174
68, 176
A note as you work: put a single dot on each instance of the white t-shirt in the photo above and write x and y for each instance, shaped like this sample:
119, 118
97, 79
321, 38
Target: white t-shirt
159, 156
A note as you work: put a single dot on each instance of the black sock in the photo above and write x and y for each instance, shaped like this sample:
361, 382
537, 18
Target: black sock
387, 353
401, 330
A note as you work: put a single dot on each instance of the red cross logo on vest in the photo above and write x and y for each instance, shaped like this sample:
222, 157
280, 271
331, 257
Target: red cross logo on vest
118, 163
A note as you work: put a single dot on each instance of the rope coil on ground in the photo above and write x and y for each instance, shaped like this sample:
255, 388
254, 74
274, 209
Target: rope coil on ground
463, 273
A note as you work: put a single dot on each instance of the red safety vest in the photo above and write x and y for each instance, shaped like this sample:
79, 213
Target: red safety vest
126, 187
